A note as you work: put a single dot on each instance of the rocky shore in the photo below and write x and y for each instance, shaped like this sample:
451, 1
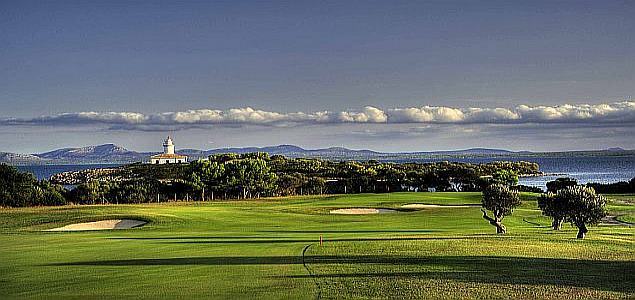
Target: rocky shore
83, 176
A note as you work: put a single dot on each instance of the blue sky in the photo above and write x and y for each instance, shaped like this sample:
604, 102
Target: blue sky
136, 64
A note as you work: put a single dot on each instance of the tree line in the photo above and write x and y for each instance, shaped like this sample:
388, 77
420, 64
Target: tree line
254, 175
23, 189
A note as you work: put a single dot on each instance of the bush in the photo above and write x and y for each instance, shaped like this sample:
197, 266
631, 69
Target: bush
621, 187
561, 183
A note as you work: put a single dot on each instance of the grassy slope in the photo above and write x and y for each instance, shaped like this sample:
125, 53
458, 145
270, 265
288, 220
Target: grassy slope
253, 249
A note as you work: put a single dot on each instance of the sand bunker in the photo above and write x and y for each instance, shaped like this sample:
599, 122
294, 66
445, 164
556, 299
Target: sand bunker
361, 211
420, 205
101, 225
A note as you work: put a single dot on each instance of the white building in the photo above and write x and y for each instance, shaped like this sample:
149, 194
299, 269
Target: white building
168, 156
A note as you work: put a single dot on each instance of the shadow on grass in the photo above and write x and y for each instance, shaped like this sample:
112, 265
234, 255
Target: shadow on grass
282, 240
352, 231
603, 275
271, 237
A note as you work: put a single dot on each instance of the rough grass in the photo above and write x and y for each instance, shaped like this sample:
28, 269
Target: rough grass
253, 249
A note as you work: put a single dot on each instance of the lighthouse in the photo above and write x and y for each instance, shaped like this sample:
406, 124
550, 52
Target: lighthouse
168, 146
168, 156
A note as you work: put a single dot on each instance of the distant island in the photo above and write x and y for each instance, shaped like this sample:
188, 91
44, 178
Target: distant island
111, 153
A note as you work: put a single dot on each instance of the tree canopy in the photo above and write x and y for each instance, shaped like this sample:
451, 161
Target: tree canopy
501, 201
579, 205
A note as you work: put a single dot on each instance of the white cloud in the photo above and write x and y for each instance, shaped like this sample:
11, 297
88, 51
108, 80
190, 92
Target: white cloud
618, 112
368, 115
607, 112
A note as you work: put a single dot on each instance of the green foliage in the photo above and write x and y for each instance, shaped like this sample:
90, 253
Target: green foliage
22, 189
250, 176
621, 187
500, 200
92, 192
579, 205
253, 175
561, 183
136, 191
505, 177
554, 207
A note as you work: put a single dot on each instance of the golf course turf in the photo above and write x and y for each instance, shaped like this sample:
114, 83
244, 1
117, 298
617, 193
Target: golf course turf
269, 248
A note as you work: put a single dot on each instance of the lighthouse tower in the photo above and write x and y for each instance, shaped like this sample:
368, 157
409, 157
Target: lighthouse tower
168, 146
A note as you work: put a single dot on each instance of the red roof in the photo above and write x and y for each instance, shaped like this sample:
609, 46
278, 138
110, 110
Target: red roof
163, 155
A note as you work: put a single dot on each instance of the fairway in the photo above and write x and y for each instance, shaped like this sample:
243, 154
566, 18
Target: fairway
269, 248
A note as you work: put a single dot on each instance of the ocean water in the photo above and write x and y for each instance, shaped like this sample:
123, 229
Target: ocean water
46, 171
601, 169
604, 169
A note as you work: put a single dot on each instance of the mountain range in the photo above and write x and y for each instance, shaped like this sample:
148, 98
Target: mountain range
111, 153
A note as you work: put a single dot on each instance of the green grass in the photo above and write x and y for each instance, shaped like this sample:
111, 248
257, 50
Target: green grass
253, 249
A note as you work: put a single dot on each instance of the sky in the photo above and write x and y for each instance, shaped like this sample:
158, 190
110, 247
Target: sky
382, 75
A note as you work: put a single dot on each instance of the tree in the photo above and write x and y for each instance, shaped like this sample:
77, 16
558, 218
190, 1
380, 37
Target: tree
288, 184
315, 185
51, 194
250, 176
554, 207
207, 175
505, 177
561, 183
500, 200
16, 188
582, 207
22, 189
94, 192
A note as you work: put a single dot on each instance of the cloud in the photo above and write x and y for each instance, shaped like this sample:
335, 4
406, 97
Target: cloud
614, 112
607, 113
368, 115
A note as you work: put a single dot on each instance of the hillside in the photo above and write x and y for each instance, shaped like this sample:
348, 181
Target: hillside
111, 153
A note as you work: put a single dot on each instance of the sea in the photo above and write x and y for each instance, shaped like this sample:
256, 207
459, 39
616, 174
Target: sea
585, 169
46, 171
601, 169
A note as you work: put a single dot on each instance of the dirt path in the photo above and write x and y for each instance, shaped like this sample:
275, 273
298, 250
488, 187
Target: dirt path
613, 221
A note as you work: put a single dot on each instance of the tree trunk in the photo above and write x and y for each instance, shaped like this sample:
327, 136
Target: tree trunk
582, 230
556, 224
500, 228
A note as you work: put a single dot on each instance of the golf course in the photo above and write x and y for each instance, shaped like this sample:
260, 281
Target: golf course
271, 248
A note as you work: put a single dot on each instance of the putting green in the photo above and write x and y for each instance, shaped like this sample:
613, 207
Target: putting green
254, 249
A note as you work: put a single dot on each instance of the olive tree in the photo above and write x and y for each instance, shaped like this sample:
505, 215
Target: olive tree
554, 207
500, 200
582, 207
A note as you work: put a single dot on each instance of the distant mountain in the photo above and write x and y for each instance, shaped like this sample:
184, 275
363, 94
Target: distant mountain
20, 159
100, 151
111, 153
93, 154
471, 151
295, 151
